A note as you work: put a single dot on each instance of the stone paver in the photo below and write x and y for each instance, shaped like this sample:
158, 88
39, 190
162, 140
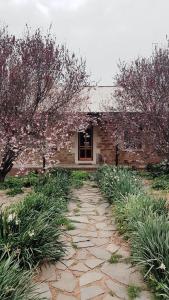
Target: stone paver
100, 253
43, 289
117, 289
93, 262
79, 267
65, 297
66, 282
85, 271
91, 292
109, 297
90, 277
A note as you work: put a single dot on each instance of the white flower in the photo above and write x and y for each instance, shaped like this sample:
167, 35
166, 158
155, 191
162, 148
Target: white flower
162, 266
17, 221
11, 217
31, 233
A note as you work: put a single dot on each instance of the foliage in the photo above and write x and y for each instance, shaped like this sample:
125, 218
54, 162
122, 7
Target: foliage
28, 239
161, 183
14, 191
158, 169
15, 184
150, 249
78, 177
116, 183
15, 284
30, 229
133, 291
136, 208
144, 220
115, 257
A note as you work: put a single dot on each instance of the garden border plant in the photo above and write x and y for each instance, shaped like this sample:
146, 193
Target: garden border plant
30, 229
143, 219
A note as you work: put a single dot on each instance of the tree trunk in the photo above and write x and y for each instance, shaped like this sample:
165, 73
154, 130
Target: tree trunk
44, 163
117, 155
7, 164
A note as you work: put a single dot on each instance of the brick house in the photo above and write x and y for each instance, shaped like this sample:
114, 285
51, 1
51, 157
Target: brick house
95, 147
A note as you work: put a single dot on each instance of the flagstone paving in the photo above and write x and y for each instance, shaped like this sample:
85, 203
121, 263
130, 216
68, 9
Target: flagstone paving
85, 271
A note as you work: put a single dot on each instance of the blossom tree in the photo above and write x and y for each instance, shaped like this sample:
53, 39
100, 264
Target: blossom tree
40, 82
142, 96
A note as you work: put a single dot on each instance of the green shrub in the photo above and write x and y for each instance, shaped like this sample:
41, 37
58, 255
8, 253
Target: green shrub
15, 191
116, 183
78, 178
161, 183
30, 238
15, 284
53, 184
144, 220
30, 229
12, 182
158, 169
133, 291
150, 249
136, 208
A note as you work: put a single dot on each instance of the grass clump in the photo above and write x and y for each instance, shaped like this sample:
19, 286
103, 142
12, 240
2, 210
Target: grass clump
143, 220
30, 238
70, 226
16, 284
78, 178
15, 191
161, 183
150, 250
30, 229
116, 183
115, 257
15, 184
136, 208
133, 291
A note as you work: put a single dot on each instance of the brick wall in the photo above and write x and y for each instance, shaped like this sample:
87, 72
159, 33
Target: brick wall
105, 151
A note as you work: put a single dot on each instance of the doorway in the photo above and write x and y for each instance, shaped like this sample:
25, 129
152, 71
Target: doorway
85, 145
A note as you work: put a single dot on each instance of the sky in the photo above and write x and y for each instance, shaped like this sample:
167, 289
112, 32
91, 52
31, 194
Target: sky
101, 31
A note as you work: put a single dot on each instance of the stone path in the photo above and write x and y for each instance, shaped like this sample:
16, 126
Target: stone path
85, 272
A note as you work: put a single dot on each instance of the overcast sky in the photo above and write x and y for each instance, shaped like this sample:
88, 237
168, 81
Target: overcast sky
102, 31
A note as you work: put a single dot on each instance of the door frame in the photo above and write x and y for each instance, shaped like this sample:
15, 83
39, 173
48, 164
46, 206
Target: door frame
85, 162
85, 148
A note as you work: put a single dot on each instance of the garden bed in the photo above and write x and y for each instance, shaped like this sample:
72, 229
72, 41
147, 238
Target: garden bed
143, 221
30, 231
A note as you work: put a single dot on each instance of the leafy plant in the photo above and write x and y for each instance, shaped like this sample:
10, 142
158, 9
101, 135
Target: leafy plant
30, 229
144, 220
116, 183
15, 284
161, 183
78, 178
158, 169
115, 257
12, 182
150, 249
133, 291
30, 239
15, 191
136, 208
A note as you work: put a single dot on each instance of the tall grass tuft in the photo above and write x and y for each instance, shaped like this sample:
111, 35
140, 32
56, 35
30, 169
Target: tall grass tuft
144, 220
116, 183
16, 284
150, 249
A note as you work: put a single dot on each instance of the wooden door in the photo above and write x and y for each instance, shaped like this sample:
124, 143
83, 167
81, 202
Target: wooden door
85, 145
